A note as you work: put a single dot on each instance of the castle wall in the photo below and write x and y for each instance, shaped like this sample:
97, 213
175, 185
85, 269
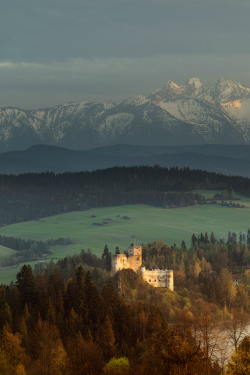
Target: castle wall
121, 262
158, 278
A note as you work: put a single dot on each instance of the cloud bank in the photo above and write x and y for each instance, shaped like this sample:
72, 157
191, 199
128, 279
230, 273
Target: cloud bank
59, 51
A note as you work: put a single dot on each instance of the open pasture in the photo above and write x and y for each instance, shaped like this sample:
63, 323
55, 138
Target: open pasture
145, 222
9, 274
5, 251
209, 194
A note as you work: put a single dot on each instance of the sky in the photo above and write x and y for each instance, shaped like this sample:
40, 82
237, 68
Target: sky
58, 51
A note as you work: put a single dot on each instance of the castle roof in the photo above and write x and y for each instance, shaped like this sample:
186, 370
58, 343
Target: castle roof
155, 267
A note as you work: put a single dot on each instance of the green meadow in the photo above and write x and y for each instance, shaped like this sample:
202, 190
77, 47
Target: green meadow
6, 276
209, 194
145, 222
5, 251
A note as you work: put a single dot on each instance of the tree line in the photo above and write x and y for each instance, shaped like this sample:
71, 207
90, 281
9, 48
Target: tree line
32, 196
48, 326
25, 250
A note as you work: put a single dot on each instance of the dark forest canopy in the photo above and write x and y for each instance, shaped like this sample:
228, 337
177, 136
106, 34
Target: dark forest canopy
34, 195
51, 327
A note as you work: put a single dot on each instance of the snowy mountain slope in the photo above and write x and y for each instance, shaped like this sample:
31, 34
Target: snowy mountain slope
192, 113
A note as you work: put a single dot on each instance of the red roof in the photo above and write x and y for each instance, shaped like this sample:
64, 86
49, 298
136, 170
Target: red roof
237, 275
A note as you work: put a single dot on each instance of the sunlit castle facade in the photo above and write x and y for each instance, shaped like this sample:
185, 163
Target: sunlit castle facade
155, 277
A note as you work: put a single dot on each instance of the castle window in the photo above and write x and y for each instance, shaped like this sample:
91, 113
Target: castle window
155, 281
149, 280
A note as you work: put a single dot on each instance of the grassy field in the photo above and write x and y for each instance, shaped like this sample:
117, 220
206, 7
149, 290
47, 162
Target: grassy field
146, 223
5, 251
208, 194
10, 274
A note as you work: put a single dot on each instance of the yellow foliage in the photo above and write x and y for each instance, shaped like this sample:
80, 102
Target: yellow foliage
239, 364
20, 369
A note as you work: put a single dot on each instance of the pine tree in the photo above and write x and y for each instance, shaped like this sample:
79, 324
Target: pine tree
51, 313
107, 256
96, 275
60, 304
27, 286
92, 301
107, 339
212, 238
202, 238
6, 317
23, 330
194, 239
43, 304
105, 252
80, 298
248, 237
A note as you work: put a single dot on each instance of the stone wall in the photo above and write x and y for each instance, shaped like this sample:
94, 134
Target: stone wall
156, 278
121, 262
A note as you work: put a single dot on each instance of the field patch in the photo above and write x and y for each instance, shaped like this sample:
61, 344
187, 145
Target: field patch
5, 251
209, 194
145, 222
6, 275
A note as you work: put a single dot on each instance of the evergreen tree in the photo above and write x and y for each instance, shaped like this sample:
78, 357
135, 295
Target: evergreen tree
26, 286
105, 252
202, 238
206, 240
248, 237
80, 296
194, 239
107, 339
212, 238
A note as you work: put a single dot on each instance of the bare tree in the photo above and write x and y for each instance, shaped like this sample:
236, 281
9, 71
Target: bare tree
236, 328
208, 336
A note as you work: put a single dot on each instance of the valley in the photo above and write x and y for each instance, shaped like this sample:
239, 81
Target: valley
147, 223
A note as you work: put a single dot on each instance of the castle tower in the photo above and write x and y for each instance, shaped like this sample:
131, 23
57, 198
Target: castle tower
170, 276
135, 251
121, 262
142, 271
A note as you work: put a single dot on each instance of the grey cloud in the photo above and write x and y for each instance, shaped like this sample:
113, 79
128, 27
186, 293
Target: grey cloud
32, 85
56, 51
61, 30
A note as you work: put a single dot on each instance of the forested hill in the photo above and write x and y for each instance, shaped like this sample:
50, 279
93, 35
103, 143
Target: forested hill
32, 196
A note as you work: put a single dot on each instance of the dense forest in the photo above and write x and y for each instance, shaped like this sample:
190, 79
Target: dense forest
32, 196
50, 327
71, 318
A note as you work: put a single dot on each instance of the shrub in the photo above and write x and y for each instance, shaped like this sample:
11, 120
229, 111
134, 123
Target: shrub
119, 366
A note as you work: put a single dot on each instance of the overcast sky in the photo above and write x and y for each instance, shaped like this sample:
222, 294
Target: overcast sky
57, 51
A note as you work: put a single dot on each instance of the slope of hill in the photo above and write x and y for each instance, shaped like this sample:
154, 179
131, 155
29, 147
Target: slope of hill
230, 160
192, 113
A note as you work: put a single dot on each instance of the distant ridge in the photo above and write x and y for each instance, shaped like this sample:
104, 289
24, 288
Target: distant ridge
226, 159
188, 114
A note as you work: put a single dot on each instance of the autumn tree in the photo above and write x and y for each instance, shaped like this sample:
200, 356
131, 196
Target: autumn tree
228, 288
85, 357
236, 328
240, 361
26, 286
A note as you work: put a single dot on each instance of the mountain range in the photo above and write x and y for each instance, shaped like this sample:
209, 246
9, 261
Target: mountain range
226, 159
188, 114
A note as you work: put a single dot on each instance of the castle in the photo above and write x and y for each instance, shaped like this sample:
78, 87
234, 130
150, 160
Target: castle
155, 277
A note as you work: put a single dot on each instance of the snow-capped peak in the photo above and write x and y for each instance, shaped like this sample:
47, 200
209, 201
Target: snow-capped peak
195, 82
